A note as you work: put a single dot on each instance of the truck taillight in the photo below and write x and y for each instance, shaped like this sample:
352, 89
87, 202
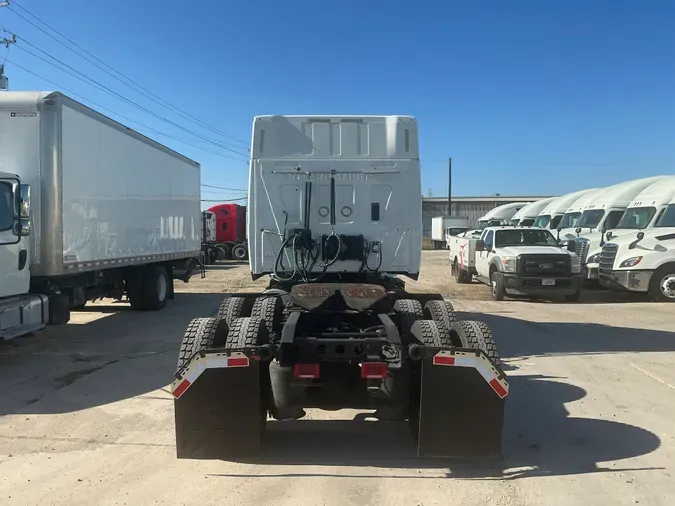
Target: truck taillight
306, 371
374, 370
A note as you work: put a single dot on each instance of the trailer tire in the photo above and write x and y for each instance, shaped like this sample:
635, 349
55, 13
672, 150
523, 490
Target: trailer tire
155, 288
240, 252
478, 336
408, 311
134, 282
199, 335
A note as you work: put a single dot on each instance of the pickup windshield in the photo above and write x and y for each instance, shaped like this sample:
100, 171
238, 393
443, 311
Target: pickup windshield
637, 217
532, 237
590, 219
542, 220
6, 206
668, 218
569, 220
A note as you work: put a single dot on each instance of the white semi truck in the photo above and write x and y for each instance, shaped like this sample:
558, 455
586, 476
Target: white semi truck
643, 212
644, 262
500, 215
551, 216
88, 209
527, 215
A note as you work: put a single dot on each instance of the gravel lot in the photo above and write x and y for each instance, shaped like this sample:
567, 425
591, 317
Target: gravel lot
86, 418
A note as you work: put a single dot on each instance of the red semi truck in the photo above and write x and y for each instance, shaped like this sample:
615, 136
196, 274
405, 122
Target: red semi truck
229, 240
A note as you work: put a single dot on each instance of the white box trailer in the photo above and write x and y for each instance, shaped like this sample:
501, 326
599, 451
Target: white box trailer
111, 212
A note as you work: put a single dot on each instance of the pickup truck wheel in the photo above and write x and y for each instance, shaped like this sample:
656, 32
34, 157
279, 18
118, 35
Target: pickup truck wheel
460, 275
497, 285
155, 289
662, 284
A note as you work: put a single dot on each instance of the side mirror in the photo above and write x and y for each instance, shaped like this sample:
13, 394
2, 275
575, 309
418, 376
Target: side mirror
609, 235
578, 231
571, 246
25, 201
480, 245
640, 235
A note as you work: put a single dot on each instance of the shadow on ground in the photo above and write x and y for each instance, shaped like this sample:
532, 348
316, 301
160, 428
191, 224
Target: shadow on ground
522, 338
120, 355
540, 439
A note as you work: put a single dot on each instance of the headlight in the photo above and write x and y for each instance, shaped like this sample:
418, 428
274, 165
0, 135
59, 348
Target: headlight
594, 259
576, 264
508, 264
630, 262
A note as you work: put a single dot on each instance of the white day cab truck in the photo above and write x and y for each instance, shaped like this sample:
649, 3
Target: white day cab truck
518, 261
551, 215
527, 215
500, 215
335, 224
88, 209
443, 227
643, 262
643, 212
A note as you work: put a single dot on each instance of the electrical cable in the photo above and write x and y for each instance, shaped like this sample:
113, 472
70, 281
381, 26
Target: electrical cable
138, 87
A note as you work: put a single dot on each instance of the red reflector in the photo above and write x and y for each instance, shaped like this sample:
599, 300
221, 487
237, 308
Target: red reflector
306, 371
373, 370
444, 360
237, 362
182, 387
497, 387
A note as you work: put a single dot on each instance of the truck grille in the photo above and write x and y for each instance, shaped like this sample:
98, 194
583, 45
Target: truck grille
581, 249
544, 265
607, 257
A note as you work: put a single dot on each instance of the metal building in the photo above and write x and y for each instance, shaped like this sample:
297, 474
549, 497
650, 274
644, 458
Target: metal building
473, 207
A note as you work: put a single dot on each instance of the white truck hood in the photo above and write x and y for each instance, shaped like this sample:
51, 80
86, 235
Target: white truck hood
533, 250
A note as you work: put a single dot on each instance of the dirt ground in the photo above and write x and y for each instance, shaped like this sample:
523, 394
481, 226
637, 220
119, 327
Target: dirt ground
86, 418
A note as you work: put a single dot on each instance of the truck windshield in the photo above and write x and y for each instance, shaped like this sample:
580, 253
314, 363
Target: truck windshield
6, 206
532, 237
668, 218
569, 220
542, 220
637, 217
590, 219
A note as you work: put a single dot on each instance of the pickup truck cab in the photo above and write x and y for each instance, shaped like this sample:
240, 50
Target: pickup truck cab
521, 261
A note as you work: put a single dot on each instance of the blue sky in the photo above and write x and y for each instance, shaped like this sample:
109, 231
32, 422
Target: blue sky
528, 97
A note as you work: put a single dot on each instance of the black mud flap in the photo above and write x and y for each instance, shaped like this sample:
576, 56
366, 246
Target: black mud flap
221, 415
460, 413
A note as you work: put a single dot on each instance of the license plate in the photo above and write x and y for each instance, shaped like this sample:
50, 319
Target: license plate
548, 282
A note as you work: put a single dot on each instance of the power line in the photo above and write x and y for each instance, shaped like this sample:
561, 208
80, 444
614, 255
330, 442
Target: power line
136, 87
92, 82
222, 188
224, 200
85, 99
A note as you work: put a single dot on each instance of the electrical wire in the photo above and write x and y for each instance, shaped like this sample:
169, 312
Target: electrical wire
224, 200
222, 188
92, 82
126, 118
136, 86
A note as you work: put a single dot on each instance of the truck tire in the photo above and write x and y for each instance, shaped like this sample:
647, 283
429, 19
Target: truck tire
269, 309
155, 290
224, 252
408, 311
247, 332
134, 285
461, 276
497, 286
240, 252
199, 335
478, 336
232, 308
441, 311
662, 284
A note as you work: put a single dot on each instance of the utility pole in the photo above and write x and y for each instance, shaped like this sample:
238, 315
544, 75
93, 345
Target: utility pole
4, 82
449, 186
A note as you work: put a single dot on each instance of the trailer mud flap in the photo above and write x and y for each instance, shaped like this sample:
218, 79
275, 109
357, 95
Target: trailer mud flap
219, 412
461, 408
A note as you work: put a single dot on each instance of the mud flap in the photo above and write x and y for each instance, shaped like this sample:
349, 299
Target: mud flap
219, 412
461, 408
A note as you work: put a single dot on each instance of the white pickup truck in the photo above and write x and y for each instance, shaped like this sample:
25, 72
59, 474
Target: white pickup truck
517, 261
